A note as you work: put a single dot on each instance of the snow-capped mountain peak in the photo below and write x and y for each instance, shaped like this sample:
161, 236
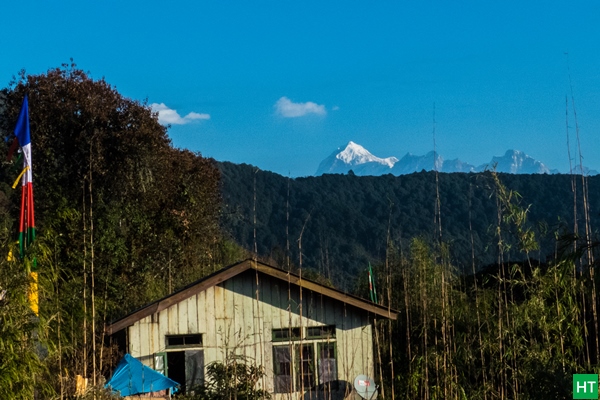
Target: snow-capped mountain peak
357, 158
516, 162
355, 154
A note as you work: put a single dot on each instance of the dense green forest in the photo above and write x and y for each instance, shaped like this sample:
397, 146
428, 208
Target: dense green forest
344, 219
495, 279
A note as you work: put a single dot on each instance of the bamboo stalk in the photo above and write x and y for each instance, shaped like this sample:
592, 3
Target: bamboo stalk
92, 273
389, 299
573, 181
477, 306
422, 273
58, 321
379, 356
586, 212
301, 304
85, 333
405, 278
500, 298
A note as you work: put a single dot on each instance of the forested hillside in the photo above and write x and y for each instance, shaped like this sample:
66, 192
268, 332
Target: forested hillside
344, 219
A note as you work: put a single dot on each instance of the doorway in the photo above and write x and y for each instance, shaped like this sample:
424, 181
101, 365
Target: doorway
186, 368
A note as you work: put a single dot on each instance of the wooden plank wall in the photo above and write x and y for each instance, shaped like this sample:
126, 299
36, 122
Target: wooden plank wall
231, 319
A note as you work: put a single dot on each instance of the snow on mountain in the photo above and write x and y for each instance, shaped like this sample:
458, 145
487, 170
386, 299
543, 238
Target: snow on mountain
515, 162
429, 162
356, 158
457, 166
586, 171
411, 163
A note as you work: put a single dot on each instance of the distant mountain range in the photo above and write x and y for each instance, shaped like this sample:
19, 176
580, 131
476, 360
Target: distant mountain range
361, 162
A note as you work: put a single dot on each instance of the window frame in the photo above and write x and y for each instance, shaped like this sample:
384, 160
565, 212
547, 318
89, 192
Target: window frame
302, 374
195, 340
279, 387
315, 345
329, 332
294, 333
163, 357
320, 346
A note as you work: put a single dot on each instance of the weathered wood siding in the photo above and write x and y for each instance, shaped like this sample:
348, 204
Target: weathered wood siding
231, 319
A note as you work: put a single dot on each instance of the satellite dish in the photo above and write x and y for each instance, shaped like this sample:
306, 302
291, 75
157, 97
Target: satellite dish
365, 387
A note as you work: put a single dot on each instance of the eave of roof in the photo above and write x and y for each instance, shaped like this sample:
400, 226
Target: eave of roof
235, 269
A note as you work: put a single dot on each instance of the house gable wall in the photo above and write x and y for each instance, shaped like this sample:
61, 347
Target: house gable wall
230, 318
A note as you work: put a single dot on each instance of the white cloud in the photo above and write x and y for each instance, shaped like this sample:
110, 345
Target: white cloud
167, 115
335, 108
288, 109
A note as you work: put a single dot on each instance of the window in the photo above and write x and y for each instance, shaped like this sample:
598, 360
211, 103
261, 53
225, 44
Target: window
326, 362
160, 363
282, 368
320, 332
306, 365
184, 340
303, 358
286, 334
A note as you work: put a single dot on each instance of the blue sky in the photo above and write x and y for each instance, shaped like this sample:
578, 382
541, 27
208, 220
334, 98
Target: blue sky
282, 84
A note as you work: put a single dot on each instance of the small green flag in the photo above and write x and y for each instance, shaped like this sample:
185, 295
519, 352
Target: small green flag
372, 290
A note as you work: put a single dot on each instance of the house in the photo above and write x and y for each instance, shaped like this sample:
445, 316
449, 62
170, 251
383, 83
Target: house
303, 333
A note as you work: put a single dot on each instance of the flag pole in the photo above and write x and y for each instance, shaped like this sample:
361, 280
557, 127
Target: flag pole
27, 222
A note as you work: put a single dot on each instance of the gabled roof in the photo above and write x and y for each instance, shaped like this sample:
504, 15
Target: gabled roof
236, 269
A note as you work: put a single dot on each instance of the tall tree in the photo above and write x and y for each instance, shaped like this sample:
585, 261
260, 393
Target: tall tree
103, 161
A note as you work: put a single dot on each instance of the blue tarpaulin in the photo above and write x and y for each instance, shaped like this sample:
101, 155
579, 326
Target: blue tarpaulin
133, 377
